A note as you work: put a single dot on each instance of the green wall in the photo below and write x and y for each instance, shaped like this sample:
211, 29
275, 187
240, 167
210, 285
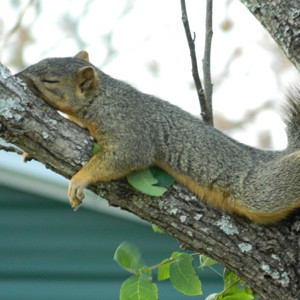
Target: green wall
49, 252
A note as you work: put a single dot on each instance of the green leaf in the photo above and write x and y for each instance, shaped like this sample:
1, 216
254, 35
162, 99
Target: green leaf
206, 261
157, 229
96, 148
164, 179
248, 291
232, 290
183, 276
239, 295
229, 279
144, 182
164, 270
176, 254
138, 288
129, 257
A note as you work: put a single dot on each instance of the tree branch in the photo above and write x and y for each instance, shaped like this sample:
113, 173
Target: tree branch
205, 111
11, 149
267, 258
208, 86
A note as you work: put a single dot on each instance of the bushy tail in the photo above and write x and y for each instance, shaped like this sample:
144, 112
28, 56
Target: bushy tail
292, 120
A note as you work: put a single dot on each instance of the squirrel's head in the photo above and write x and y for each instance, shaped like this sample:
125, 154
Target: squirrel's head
67, 84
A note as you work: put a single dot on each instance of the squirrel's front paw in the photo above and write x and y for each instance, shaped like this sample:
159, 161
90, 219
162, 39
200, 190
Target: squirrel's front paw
26, 157
76, 193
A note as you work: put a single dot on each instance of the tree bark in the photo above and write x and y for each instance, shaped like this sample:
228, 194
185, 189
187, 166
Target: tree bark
281, 18
266, 257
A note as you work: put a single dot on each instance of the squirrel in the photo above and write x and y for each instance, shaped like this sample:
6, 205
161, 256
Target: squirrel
137, 130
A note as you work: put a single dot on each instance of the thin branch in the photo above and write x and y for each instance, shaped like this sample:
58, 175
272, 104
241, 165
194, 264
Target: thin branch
11, 149
191, 42
208, 86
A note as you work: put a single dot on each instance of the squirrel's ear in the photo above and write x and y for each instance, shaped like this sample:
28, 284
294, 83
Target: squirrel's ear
83, 55
86, 78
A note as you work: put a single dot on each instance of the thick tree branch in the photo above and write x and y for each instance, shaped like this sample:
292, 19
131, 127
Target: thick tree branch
282, 21
267, 258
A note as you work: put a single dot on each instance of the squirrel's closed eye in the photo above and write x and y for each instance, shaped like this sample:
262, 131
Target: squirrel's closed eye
49, 81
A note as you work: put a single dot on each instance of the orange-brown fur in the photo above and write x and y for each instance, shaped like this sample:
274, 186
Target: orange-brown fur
221, 199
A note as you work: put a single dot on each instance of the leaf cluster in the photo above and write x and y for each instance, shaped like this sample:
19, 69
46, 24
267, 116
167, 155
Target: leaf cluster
179, 269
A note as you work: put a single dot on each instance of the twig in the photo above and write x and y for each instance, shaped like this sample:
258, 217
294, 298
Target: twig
208, 86
11, 149
191, 43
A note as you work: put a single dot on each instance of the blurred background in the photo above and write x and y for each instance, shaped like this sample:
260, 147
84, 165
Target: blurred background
47, 251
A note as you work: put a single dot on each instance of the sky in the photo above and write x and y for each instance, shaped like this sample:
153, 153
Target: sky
146, 47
